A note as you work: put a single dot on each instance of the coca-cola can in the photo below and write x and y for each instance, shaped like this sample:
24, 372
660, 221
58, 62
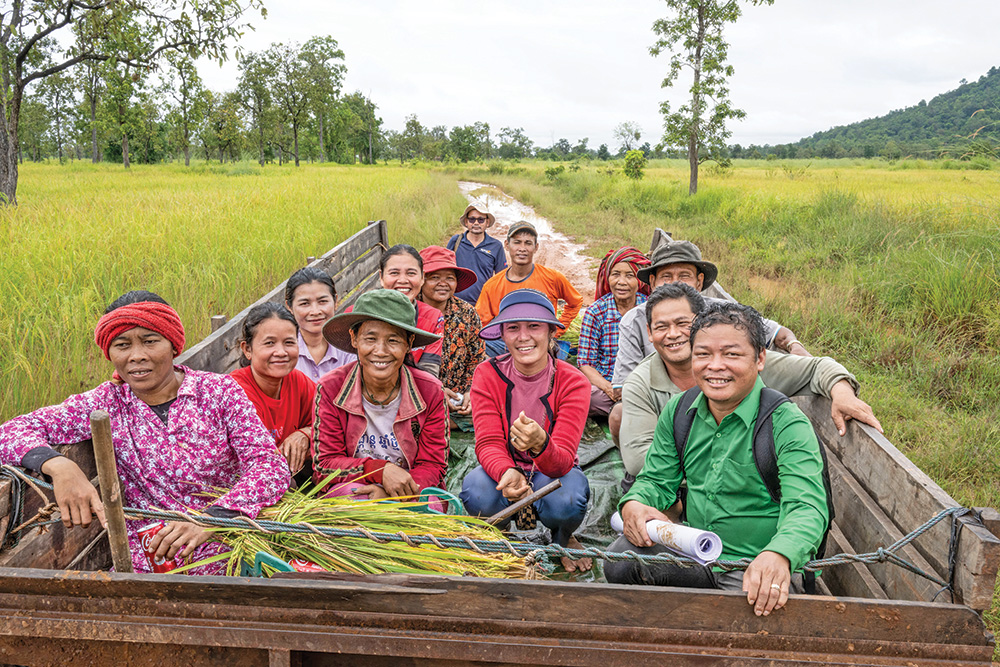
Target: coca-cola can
146, 533
300, 565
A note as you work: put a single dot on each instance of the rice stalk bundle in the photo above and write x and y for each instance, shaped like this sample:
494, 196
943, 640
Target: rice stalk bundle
362, 555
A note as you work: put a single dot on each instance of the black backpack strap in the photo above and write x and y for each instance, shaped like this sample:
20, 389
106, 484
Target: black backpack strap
683, 419
764, 454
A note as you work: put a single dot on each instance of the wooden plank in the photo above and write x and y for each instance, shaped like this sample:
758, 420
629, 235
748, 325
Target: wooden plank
383, 228
659, 238
81, 453
867, 528
370, 283
219, 352
909, 497
852, 580
348, 280
53, 549
990, 518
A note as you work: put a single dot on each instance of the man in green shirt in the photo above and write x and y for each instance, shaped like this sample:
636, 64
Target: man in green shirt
725, 492
667, 373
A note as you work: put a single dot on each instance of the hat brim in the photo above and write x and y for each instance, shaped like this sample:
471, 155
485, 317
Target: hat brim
709, 270
337, 330
492, 331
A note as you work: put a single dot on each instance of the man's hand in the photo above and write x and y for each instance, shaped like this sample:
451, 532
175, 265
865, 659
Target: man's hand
77, 498
846, 405
766, 582
398, 482
178, 539
373, 491
634, 517
513, 485
294, 448
525, 434
786, 340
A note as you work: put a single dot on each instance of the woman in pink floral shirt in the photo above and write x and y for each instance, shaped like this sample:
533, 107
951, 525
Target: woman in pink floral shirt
178, 434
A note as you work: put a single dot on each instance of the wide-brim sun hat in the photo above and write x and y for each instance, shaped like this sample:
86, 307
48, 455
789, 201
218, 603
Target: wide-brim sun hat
679, 252
385, 305
522, 305
491, 219
437, 258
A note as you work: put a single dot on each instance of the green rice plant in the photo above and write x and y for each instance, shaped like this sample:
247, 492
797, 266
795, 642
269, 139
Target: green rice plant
362, 555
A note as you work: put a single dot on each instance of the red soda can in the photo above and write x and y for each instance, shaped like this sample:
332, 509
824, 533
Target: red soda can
146, 533
300, 565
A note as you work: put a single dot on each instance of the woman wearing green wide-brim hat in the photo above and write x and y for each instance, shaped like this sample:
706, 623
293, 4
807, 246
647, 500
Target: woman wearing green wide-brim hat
379, 421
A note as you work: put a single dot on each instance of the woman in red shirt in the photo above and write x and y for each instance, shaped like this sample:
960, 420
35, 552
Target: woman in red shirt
529, 410
282, 395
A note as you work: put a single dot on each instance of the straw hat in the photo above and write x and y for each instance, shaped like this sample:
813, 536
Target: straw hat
491, 219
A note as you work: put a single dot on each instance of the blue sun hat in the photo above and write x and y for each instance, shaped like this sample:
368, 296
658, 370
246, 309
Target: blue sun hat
522, 305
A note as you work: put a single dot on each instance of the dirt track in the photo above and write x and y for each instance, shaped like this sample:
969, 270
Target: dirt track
555, 250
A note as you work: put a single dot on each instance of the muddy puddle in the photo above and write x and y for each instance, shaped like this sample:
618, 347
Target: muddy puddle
555, 250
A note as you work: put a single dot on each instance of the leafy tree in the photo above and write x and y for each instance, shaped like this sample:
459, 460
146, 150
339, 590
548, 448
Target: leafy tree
367, 138
463, 143
119, 116
693, 33
255, 95
185, 87
57, 94
635, 160
325, 76
201, 28
412, 140
603, 153
514, 143
291, 87
628, 135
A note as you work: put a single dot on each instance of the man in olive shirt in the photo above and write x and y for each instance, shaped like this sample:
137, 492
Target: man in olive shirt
725, 492
666, 373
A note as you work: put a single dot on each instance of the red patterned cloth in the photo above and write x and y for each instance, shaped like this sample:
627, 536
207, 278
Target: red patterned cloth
632, 256
158, 317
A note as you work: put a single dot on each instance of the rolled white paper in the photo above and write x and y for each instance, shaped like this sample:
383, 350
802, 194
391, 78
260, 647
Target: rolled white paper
702, 545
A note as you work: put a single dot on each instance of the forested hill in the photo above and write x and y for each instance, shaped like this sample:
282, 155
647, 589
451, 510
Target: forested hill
964, 122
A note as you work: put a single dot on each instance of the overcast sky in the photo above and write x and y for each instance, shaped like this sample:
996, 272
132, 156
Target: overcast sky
575, 69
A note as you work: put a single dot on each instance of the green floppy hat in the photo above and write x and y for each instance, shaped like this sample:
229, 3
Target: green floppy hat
385, 305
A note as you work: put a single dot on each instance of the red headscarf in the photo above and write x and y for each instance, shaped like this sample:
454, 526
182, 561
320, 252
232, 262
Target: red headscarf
158, 317
630, 256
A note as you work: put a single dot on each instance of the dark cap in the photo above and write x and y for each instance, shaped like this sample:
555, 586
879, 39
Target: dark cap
522, 226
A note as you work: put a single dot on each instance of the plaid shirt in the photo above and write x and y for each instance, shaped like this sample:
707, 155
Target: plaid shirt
598, 344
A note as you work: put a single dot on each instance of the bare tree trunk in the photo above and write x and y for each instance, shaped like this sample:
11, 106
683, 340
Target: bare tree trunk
125, 150
95, 156
295, 136
369, 144
9, 151
322, 150
187, 147
260, 127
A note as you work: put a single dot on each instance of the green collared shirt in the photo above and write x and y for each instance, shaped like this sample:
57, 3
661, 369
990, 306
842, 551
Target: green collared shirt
726, 493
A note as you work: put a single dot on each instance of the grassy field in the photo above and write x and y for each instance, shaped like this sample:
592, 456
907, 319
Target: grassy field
209, 239
892, 269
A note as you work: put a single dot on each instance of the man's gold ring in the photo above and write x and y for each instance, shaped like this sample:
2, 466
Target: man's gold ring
777, 586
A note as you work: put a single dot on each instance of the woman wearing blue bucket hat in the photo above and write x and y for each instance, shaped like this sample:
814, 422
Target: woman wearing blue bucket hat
529, 411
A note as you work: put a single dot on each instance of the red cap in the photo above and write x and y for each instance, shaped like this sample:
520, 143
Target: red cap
437, 258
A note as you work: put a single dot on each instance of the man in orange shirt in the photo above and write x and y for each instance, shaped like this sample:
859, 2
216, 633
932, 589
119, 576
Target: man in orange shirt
521, 245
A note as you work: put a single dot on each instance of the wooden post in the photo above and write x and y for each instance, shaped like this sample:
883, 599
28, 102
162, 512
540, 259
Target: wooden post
218, 321
310, 259
111, 489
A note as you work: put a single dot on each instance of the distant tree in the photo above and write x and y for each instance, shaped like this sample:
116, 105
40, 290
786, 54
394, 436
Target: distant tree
150, 132
255, 96
291, 87
581, 147
367, 139
562, 148
693, 33
484, 145
514, 143
603, 153
185, 87
119, 116
463, 143
412, 141
57, 93
325, 76
635, 160
200, 28
628, 135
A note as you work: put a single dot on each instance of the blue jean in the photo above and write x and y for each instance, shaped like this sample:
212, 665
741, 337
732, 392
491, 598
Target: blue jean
561, 511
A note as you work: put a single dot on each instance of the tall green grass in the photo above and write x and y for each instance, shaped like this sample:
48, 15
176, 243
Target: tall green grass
209, 239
